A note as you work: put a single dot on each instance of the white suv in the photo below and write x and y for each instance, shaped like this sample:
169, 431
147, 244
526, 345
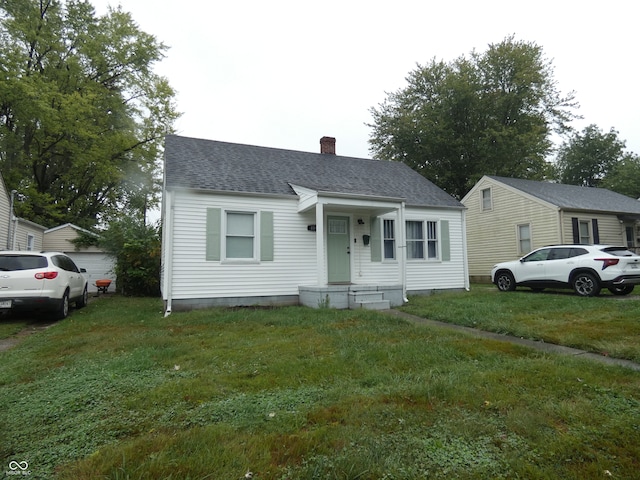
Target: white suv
46, 281
584, 268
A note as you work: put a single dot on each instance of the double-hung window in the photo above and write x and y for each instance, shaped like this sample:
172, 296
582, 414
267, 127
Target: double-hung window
487, 203
422, 240
389, 239
524, 238
583, 229
240, 235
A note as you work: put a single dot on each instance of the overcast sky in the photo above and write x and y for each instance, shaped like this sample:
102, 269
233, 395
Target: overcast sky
283, 73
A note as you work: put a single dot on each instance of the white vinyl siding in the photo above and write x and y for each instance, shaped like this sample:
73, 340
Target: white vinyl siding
288, 243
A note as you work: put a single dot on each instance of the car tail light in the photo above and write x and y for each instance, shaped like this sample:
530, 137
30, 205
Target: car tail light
607, 262
46, 275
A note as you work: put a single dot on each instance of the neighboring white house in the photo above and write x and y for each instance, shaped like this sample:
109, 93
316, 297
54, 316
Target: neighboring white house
97, 263
249, 225
509, 217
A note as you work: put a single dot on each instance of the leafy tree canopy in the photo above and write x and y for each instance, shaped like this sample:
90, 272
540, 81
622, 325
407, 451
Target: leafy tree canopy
491, 113
590, 156
82, 115
624, 177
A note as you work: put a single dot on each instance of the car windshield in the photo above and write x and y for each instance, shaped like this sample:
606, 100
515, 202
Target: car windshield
619, 251
10, 263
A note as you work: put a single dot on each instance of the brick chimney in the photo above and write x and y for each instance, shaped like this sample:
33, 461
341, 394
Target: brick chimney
328, 145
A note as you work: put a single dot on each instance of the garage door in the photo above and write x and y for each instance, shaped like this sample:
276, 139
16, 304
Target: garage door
98, 266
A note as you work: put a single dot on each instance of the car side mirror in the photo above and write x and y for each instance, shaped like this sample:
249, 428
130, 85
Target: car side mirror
83, 270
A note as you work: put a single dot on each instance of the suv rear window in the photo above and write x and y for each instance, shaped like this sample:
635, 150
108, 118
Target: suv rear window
619, 251
10, 263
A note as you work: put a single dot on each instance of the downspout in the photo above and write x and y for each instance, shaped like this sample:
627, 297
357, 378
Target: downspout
403, 253
167, 249
467, 285
320, 260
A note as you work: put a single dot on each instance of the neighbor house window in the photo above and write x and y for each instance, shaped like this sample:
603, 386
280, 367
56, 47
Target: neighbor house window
240, 235
486, 199
630, 237
583, 229
31, 240
524, 238
389, 240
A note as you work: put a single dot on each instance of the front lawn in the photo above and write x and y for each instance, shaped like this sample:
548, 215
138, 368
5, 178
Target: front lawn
607, 324
116, 391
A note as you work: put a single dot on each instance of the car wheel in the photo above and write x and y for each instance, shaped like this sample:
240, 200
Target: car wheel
621, 290
83, 300
586, 284
63, 308
505, 281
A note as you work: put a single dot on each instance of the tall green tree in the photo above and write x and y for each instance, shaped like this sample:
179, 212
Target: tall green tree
82, 114
624, 176
588, 157
489, 113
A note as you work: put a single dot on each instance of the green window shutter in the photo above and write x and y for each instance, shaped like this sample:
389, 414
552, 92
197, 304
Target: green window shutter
214, 216
445, 242
266, 236
374, 240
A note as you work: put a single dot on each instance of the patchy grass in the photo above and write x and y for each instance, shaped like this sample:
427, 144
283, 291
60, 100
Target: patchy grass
117, 391
607, 324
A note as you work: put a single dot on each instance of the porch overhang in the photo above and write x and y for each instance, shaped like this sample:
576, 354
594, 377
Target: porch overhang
339, 201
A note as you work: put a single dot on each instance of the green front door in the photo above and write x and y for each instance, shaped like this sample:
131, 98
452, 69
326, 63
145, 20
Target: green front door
338, 248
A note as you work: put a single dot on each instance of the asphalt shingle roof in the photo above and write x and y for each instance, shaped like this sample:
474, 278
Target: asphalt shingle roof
221, 166
573, 197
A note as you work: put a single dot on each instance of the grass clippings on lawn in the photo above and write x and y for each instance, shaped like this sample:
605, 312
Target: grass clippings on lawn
117, 391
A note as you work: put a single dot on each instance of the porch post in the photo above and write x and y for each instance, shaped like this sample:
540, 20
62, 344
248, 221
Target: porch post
320, 262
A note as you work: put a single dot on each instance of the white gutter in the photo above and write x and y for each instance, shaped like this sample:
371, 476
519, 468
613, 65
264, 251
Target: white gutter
167, 250
403, 252
465, 259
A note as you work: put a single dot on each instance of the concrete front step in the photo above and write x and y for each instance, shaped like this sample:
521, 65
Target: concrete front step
369, 299
374, 305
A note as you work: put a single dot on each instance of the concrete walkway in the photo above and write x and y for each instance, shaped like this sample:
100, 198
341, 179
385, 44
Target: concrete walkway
538, 345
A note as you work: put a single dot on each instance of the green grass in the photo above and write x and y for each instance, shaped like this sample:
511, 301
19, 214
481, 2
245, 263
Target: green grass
116, 391
607, 324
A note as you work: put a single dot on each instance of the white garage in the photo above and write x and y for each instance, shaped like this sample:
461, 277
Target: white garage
98, 264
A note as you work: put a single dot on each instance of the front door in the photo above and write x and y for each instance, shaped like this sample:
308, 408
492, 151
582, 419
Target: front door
338, 250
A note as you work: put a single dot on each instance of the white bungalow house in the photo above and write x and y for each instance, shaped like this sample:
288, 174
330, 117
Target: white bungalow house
249, 225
